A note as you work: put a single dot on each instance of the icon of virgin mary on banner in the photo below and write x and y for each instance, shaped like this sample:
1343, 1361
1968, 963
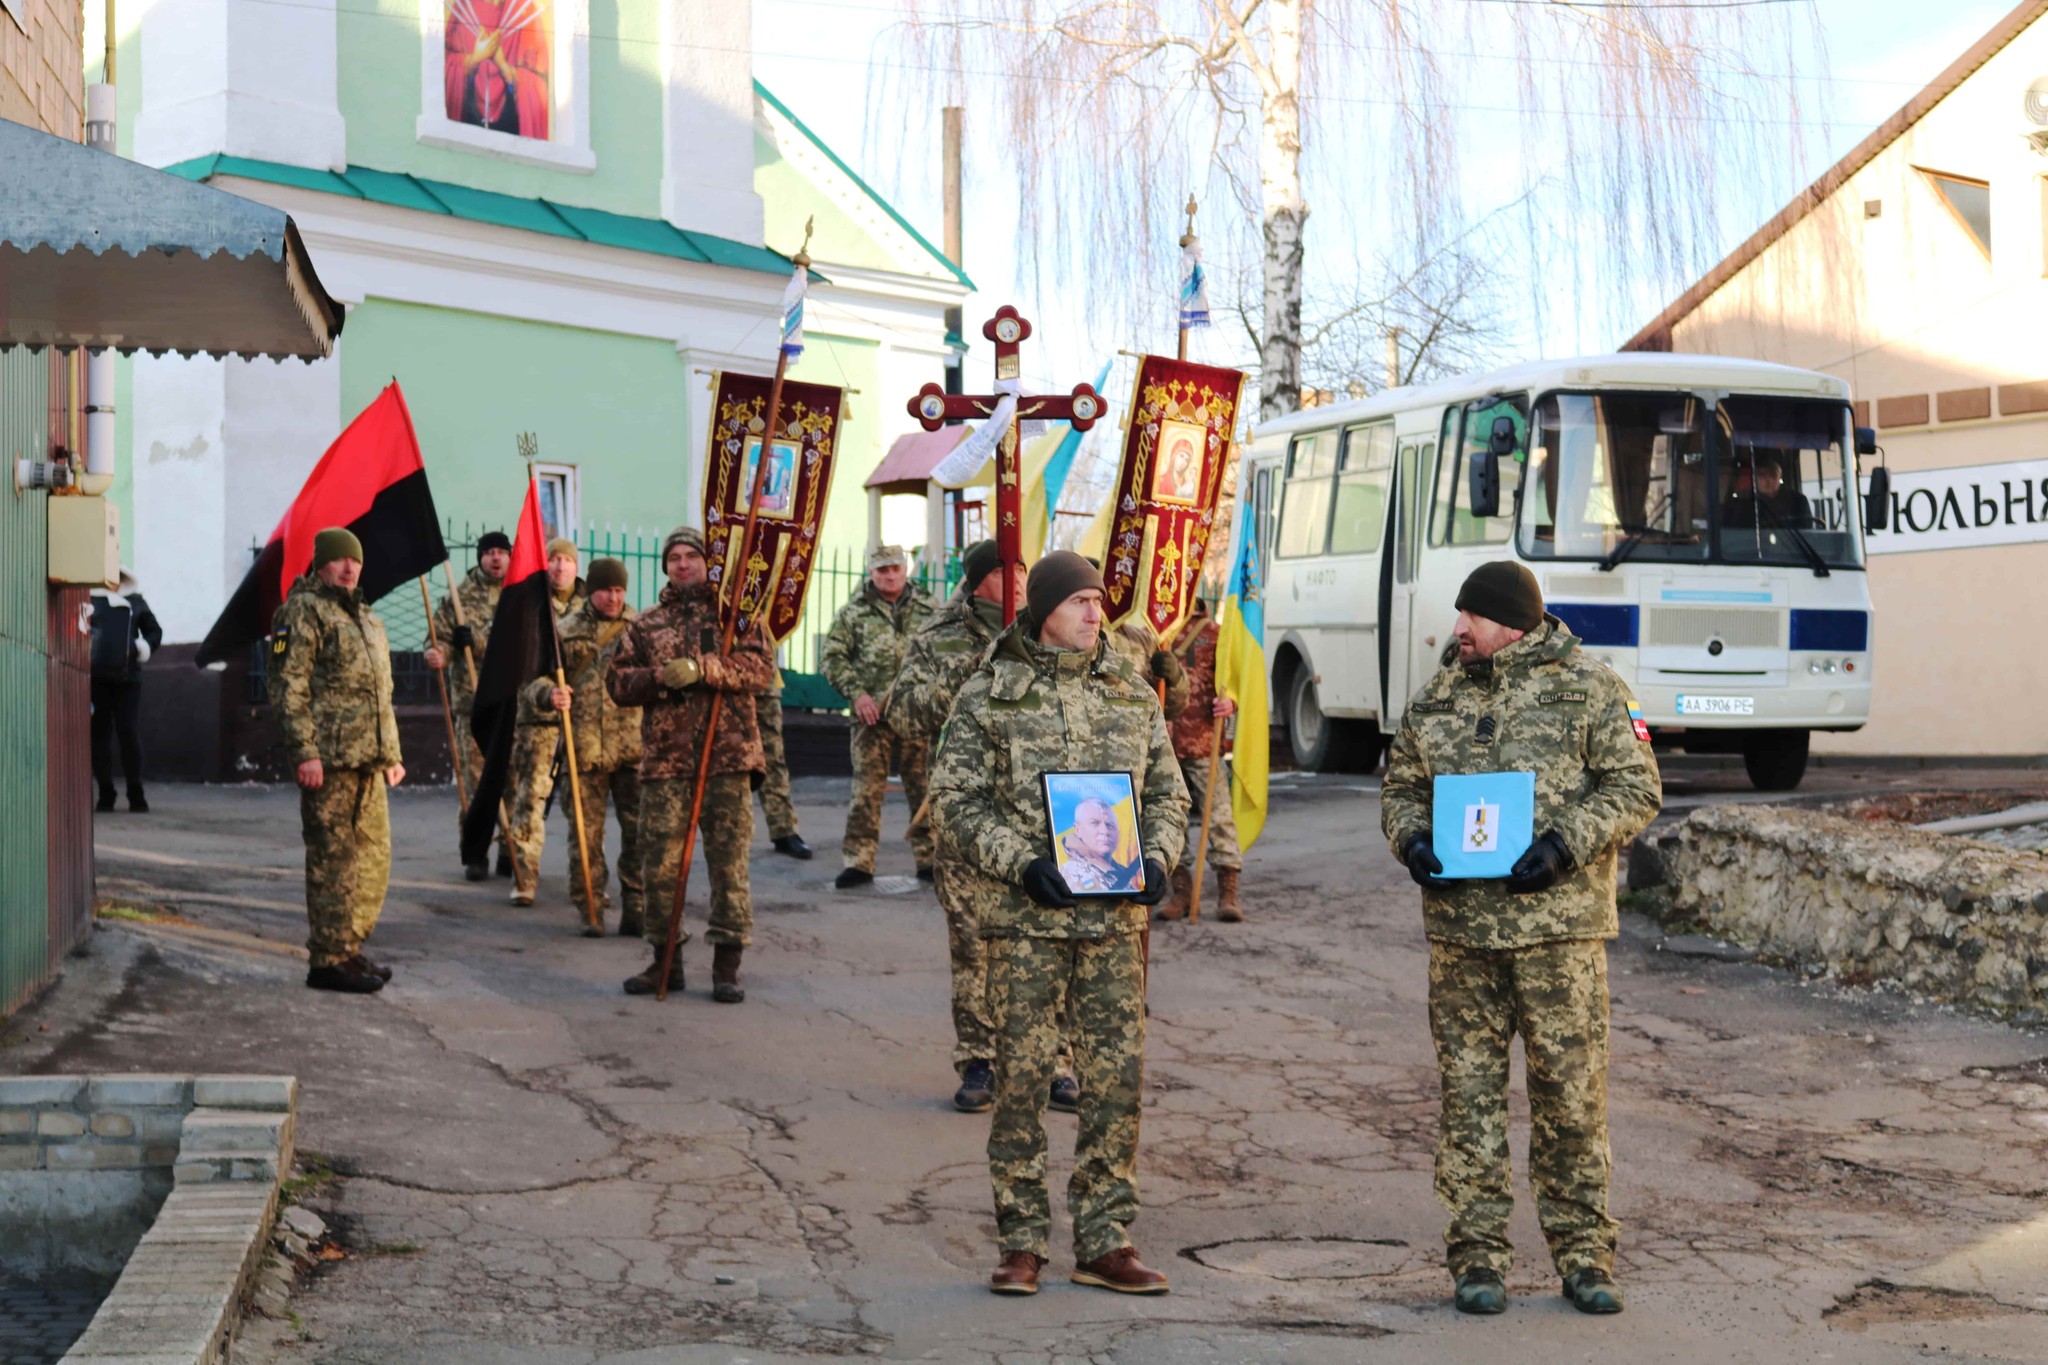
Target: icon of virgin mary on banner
1182, 420
791, 511
498, 63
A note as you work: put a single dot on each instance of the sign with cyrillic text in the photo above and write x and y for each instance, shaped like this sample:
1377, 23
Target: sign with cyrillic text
1964, 508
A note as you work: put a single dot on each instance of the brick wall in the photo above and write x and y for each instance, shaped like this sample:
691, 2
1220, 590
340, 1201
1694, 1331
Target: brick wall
42, 65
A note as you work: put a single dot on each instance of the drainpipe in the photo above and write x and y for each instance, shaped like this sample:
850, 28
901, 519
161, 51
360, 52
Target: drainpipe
100, 116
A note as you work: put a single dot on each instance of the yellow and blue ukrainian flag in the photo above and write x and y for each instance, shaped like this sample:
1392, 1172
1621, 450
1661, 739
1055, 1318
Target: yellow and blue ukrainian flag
1241, 673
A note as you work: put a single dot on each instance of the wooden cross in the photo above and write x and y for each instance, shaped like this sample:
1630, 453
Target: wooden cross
934, 407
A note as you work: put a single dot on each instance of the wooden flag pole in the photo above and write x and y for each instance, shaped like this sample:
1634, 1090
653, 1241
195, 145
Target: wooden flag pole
469, 658
447, 710
1208, 814
528, 447
729, 622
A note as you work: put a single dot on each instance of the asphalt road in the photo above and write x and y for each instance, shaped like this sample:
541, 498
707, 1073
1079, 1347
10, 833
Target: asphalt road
534, 1168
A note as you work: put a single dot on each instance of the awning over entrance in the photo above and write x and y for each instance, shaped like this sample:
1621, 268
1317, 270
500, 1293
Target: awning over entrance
913, 456
100, 251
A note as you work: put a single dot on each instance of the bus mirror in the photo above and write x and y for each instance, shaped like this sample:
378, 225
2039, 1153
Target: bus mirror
1877, 507
1500, 442
1866, 440
1483, 476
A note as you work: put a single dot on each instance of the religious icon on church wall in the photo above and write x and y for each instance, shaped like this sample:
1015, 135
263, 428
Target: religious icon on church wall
777, 488
1177, 463
498, 65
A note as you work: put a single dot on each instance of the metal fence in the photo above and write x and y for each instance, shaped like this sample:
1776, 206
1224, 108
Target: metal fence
834, 579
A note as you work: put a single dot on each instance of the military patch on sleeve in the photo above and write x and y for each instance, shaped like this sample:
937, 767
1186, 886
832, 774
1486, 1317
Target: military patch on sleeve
279, 639
1430, 708
1635, 718
1551, 698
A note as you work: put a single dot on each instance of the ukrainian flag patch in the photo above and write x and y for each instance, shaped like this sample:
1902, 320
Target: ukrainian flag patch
1635, 718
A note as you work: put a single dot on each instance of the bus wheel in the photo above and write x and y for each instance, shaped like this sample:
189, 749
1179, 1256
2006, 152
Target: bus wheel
1776, 759
1310, 733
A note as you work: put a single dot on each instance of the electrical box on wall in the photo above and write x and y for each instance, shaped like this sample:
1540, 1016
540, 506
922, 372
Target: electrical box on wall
85, 542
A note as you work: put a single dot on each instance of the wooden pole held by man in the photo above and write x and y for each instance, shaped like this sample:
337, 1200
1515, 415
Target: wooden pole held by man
455, 754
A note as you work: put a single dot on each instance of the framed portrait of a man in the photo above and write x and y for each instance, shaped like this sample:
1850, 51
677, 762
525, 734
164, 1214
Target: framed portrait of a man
778, 490
1092, 822
1177, 463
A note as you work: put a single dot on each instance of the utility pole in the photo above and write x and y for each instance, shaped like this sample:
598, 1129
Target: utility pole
954, 121
100, 117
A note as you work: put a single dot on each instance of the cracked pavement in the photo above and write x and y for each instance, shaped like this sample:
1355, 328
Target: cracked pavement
534, 1168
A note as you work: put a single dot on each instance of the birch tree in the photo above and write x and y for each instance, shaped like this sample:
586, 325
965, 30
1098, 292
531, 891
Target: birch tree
1639, 115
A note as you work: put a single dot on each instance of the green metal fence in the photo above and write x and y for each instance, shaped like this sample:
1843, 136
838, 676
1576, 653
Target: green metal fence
835, 578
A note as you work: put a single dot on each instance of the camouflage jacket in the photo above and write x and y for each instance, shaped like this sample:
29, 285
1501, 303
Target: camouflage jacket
865, 646
1568, 719
1194, 727
685, 625
478, 595
330, 679
607, 734
1026, 711
1173, 697
531, 710
941, 656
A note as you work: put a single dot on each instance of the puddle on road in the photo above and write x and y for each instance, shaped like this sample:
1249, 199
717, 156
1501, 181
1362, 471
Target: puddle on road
1310, 1258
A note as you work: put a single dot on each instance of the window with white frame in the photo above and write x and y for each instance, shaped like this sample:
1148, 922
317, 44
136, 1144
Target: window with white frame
508, 79
558, 498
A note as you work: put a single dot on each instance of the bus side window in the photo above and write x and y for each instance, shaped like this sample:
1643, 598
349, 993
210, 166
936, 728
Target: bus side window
1441, 493
1305, 499
1464, 528
1360, 516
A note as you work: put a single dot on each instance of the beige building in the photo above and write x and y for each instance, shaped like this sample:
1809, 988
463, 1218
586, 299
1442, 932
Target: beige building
1917, 269
42, 66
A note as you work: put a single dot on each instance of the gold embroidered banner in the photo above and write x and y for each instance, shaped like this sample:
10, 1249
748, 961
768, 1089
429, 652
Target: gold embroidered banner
793, 494
1176, 445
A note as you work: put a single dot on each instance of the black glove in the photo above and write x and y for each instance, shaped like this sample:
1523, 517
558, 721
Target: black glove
462, 637
1539, 868
1162, 664
1422, 862
1155, 883
1044, 884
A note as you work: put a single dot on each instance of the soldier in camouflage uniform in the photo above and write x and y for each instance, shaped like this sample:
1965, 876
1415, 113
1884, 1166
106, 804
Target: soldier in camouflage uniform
776, 805
536, 740
1528, 954
670, 667
862, 652
939, 659
607, 745
462, 646
1054, 695
330, 687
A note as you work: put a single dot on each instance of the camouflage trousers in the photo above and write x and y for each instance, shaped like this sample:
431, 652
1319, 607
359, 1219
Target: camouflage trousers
1223, 849
775, 802
618, 788
974, 1030
725, 827
1555, 996
1102, 981
529, 781
875, 749
347, 828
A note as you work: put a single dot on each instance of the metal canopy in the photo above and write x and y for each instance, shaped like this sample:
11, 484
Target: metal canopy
99, 251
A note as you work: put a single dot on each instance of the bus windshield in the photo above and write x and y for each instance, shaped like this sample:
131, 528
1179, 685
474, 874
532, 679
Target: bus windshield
1605, 468
1674, 478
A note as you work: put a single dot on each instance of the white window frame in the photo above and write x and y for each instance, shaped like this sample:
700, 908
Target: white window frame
568, 150
563, 477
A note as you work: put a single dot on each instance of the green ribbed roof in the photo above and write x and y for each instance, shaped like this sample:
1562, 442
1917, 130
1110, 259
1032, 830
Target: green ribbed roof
653, 235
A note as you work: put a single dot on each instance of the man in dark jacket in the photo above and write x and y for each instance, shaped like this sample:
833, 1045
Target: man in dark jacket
124, 634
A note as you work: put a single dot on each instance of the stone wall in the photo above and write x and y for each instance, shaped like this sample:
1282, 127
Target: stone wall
42, 65
1952, 918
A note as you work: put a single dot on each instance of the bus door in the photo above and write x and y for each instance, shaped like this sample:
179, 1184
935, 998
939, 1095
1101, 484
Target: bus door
1397, 599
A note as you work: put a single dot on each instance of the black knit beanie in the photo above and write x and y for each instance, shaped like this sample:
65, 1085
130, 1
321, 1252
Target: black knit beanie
1054, 579
494, 540
978, 563
1503, 591
605, 573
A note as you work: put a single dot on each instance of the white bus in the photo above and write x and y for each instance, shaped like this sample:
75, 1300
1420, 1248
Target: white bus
1686, 516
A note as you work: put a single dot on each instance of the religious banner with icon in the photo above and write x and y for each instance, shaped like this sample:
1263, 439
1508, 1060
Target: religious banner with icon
1176, 444
793, 492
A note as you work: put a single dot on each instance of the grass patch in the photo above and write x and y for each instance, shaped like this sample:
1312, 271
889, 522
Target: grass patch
132, 913
298, 1325
314, 1174
393, 1249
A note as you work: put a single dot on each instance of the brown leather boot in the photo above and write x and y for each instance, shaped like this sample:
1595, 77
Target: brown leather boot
649, 981
1018, 1273
1122, 1271
725, 974
1226, 896
1183, 891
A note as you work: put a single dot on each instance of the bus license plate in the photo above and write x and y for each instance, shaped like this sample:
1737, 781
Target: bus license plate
1716, 706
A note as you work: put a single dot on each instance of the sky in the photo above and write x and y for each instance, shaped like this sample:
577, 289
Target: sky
845, 66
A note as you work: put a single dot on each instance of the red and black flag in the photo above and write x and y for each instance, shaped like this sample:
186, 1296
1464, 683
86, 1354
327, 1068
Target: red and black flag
522, 647
372, 481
